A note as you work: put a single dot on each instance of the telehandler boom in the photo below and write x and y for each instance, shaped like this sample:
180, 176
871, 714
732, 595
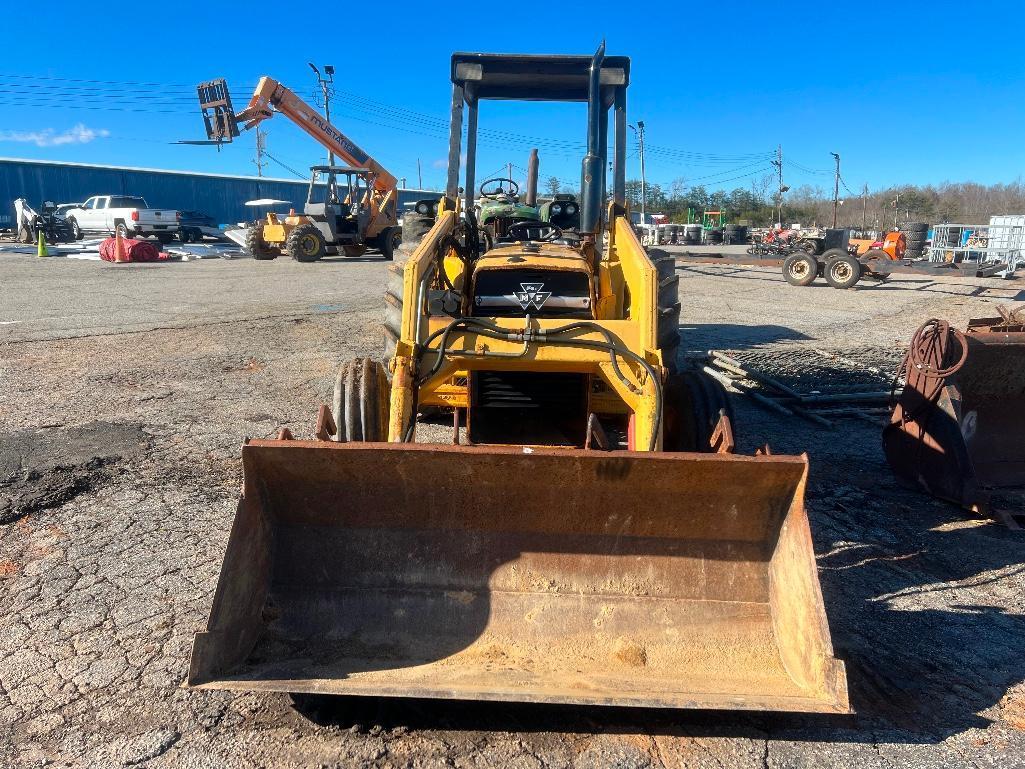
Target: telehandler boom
367, 216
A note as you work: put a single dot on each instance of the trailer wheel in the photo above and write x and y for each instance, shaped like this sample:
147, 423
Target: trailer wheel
842, 271
256, 246
305, 243
800, 269
360, 403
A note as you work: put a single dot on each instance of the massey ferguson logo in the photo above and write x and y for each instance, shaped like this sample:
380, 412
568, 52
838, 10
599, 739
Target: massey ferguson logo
532, 295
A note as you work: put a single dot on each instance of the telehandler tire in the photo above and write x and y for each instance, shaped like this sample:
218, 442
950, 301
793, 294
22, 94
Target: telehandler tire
305, 243
256, 246
391, 241
360, 403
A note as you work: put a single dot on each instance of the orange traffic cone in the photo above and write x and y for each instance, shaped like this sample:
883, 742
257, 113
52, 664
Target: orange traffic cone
120, 254
41, 247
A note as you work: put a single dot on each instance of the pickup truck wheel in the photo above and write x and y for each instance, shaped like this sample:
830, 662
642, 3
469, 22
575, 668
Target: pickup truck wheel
256, 246
122, 230
165, 238
305, 243
76, 231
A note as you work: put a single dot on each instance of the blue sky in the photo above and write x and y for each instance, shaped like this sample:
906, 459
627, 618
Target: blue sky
905, 91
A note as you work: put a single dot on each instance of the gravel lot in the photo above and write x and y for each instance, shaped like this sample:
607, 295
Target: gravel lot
127, 391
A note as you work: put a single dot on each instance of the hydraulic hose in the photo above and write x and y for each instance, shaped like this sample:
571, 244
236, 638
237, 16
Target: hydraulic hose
488, 329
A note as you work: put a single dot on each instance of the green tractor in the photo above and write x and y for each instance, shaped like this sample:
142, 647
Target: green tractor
500, 207
563, 211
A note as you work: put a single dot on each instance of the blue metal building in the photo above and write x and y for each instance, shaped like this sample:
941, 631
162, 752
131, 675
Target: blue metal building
219, 195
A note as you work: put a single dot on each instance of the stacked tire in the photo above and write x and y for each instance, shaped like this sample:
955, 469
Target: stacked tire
692, 235
734, 233
713, 235
914, 235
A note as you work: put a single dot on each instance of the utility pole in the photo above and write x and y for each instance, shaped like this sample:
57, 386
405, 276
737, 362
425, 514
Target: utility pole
419, 176
325, 90
261, 147
896, 207
836, 187
639, 130
864, 209
778, 163
508, 170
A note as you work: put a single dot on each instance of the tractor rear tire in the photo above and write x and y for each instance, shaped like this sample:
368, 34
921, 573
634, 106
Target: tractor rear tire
305, 243
800, 269
667, 328
393, 310
414, 227
842, 271
256, 246
360, 403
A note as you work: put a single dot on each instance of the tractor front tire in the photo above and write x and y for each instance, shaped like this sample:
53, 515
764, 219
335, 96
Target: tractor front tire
305, 243
256, 246
361, 401
693, 403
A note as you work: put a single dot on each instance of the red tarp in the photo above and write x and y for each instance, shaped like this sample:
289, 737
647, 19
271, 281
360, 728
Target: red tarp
137, 251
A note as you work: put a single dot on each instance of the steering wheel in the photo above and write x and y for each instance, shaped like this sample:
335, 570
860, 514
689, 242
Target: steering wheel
546, 232
513, 189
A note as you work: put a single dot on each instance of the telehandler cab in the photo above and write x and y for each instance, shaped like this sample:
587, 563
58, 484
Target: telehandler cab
591, 539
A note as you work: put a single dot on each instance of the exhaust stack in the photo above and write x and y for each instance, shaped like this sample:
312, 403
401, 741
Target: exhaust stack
592, 171
532, 164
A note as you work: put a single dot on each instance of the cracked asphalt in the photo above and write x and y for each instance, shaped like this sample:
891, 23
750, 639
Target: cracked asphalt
127, 391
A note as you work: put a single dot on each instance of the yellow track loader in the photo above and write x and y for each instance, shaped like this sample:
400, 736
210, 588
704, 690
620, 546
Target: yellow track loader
589, 539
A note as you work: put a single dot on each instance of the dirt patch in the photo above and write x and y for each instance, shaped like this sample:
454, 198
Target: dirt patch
44, 468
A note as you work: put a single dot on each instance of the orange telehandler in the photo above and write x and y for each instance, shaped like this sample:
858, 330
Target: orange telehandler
366, 217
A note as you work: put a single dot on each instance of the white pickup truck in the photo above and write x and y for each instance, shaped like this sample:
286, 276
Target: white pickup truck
127, 214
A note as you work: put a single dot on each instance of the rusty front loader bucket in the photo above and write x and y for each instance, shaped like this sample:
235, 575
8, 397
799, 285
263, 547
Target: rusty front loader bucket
545, 575
958, 429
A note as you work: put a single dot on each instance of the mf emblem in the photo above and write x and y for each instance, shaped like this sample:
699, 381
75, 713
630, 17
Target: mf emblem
532, 295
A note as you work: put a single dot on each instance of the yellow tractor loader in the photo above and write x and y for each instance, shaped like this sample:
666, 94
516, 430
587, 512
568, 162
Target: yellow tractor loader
590, 538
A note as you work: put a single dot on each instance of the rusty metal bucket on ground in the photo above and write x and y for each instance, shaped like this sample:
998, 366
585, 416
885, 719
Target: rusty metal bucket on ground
958, 429
529, 575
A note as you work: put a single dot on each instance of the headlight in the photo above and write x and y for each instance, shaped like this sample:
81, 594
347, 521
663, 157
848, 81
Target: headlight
423, 208
556, 209
571, 208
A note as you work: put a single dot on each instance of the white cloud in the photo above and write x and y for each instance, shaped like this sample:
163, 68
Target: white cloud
48, 137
